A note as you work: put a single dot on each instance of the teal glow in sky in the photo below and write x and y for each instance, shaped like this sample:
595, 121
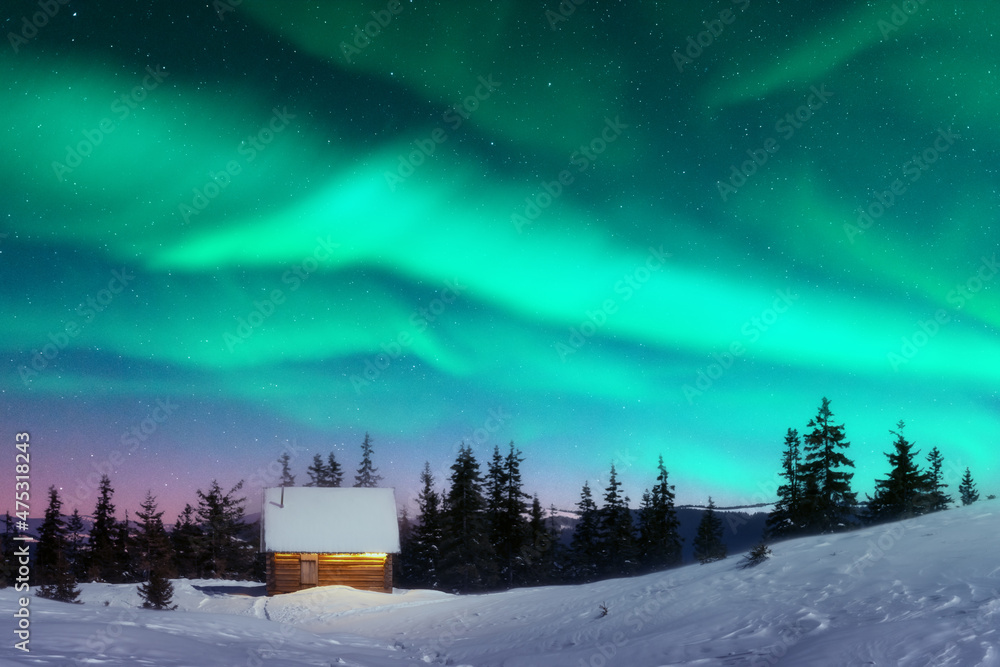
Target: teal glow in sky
605, 235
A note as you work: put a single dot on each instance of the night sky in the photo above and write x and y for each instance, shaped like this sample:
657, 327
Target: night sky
605, 232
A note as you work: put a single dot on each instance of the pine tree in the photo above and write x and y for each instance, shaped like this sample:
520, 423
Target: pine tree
786, 518
124, 554
494, 485
584, 548
101, 562
7, 563
153, 546
467, 558
185, 540
617, 533
937, 499
967, 489
659, 539
537, 552
558, 562
334, 472
287, 478
317, 472
905, 492
708, 544
74, 545
505, 507
828, 501
220, 516
424, 553
52, 570
367, 476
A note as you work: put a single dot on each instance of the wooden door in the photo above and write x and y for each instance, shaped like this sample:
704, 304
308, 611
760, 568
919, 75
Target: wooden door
309, 571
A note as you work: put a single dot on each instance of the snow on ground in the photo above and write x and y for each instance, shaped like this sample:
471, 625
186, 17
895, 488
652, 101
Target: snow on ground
924, 592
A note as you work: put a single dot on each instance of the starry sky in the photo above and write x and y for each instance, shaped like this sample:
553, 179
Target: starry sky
604, 231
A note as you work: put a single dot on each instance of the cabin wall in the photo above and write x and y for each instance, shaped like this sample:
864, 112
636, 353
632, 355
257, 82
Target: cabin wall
284, 572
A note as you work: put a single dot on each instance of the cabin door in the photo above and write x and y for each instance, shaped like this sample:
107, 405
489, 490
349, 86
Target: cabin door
309, 570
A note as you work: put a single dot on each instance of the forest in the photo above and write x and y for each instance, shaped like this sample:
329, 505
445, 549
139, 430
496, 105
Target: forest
483, 531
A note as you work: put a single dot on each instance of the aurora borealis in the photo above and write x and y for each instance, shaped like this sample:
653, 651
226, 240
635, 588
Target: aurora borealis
602, 232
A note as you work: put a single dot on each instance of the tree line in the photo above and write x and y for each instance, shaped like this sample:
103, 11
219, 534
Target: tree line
816, 496
483, 532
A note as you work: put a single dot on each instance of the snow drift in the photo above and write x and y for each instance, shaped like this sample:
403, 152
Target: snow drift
920, 592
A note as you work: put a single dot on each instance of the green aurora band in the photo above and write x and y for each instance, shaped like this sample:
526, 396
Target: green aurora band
281, 285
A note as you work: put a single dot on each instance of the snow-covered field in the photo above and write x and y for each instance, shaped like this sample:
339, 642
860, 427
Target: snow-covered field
922, 592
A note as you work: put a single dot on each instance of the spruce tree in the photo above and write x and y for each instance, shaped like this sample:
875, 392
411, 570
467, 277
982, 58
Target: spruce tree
617, 532
537, 551
220, 515
153, 546
708, 544
367, 476
659, 539
967, 489
8, 569
102, 564
74, 545
287, 478
185, 540
334, 471
786, 518
467, 558
53, 572
424, 553
937, 499
513, 528
584, 548
557, 565
829, 501
317, 472
494, 485
325, 474
124, 553
904, 493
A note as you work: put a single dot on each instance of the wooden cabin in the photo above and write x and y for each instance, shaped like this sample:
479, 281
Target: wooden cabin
316, 536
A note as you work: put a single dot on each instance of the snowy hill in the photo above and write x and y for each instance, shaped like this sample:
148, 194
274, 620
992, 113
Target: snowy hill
921, 592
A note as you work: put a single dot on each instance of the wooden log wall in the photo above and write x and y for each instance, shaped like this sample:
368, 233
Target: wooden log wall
364, 573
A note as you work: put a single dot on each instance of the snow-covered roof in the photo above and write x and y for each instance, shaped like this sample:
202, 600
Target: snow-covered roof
329, 520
